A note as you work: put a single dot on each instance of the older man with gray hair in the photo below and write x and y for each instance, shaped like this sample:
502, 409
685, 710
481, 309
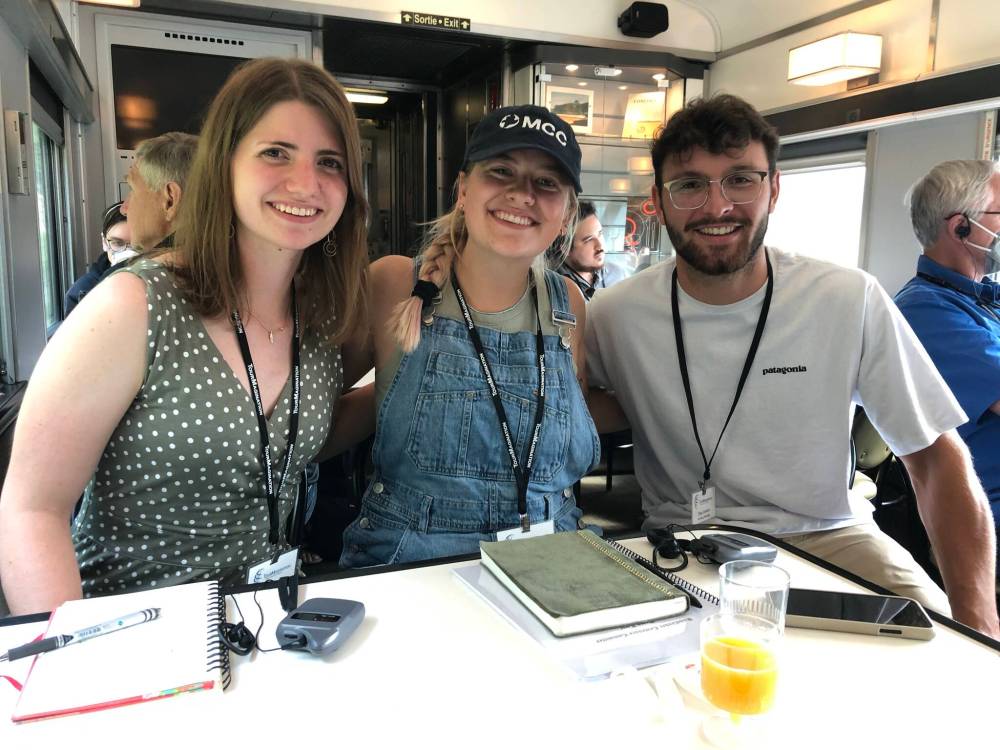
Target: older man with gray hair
954, 306
156, 182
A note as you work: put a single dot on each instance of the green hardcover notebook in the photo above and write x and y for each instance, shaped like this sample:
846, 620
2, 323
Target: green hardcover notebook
575, 582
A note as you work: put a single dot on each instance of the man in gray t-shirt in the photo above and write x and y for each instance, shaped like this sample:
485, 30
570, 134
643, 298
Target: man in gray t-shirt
822, 338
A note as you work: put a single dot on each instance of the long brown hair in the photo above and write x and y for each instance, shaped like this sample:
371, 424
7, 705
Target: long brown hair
330, 291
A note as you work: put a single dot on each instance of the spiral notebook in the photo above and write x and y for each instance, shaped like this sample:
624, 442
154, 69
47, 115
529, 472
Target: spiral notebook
179, 652
686, 586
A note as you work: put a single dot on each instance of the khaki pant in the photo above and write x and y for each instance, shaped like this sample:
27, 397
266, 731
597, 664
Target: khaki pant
868, 552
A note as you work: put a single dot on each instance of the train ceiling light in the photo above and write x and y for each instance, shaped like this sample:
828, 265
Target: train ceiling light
366, 96
117, 3
836, 58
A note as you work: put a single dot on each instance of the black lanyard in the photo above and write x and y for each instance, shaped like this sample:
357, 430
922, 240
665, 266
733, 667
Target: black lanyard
682, 361
588, 288
990, 307
522, 474
293, 422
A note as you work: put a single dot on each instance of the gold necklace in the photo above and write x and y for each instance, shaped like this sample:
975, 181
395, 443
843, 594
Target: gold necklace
270, 332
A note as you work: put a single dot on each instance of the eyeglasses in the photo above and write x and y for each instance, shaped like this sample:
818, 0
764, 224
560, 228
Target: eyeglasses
689, 193
114, 245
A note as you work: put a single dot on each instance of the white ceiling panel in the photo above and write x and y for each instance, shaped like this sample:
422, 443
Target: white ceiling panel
740, 21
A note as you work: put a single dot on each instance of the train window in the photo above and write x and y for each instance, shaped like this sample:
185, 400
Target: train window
50, 181
830, 195
142, 57
146, 101
992, 122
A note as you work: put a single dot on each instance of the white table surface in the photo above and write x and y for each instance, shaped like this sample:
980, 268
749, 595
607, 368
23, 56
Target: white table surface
433, 665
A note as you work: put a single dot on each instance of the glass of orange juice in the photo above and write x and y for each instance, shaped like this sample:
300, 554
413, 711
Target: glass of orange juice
739, 675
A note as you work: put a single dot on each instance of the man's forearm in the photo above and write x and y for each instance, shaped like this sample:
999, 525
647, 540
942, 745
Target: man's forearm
605, 411
353, 421
956, 514
962, 537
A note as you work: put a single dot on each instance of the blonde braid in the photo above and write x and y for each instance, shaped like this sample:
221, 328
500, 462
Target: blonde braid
446, 237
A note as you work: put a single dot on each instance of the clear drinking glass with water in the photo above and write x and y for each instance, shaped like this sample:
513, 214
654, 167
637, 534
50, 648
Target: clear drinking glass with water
757, 589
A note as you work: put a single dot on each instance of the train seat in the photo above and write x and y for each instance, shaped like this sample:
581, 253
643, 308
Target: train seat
894, 499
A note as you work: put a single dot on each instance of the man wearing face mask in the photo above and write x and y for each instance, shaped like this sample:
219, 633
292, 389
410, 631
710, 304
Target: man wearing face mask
145, 219
117, 247
953, 305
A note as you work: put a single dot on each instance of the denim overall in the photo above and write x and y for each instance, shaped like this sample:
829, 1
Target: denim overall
443, 480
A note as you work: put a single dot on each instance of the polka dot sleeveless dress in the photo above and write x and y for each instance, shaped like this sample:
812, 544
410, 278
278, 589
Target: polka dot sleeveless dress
179, 493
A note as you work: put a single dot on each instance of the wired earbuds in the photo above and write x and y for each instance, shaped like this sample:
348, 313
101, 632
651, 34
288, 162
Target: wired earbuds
318, 626
665, 544
237, 637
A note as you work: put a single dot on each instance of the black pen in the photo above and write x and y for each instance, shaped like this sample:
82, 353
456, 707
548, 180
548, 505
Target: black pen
58, 641
653, 569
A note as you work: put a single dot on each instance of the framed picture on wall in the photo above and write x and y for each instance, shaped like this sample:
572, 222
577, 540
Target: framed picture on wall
644, 114
574, 105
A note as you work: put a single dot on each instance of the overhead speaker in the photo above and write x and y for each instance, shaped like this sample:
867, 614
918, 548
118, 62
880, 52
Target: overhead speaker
644, 19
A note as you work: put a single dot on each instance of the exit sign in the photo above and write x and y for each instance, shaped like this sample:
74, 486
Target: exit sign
410, 18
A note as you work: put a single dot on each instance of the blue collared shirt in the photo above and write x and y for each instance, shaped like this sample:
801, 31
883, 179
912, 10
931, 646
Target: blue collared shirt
958, 322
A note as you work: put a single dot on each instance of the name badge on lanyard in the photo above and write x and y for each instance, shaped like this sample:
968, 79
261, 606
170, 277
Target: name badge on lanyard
522, 474
703, 501
703, 504
537, 529
284, 561
286, 565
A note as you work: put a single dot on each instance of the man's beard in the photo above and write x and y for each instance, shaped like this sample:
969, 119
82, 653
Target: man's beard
592, 267
712, 263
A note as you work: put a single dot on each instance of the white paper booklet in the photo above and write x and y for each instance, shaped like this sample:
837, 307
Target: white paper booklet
598, 654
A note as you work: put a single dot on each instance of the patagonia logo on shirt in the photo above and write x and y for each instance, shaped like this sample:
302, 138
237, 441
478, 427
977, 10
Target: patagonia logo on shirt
513, 120
783, 370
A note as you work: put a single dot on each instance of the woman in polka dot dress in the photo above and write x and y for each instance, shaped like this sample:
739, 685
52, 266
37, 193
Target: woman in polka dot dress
144, 396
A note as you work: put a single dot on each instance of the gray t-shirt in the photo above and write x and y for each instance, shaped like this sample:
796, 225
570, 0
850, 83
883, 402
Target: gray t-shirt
179, 494
833, 338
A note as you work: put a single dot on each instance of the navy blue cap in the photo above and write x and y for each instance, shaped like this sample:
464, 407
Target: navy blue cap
526, 126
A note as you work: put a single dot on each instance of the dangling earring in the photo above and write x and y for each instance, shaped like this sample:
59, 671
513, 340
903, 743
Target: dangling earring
232, 231
330, 246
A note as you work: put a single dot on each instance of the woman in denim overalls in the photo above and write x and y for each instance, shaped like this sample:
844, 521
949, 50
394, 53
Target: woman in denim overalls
444, 477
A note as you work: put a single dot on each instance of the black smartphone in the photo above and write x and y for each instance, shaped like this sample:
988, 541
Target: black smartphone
871, 614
